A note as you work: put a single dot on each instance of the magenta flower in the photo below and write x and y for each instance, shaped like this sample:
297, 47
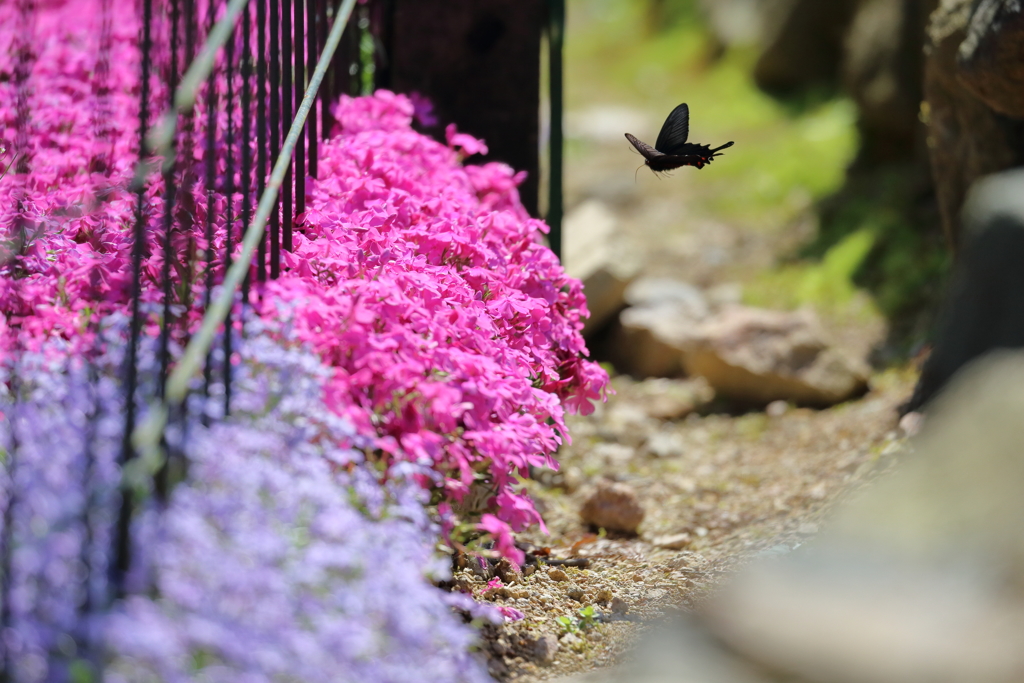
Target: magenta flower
452, 332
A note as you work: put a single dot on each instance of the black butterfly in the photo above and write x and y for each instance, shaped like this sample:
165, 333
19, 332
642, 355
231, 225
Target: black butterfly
672, 150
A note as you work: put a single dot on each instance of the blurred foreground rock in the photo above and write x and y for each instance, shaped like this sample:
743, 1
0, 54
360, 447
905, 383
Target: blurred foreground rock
918, 579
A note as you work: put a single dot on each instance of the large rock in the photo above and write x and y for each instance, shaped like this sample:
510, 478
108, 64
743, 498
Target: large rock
990, 56
967, 139
590, 255
663, 314
759, 356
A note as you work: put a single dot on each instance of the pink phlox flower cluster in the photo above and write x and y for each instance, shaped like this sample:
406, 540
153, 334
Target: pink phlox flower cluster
454, 331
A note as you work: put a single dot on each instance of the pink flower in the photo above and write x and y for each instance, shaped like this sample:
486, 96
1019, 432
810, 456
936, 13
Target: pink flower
504, 543
453, 333
510, 613
467, 143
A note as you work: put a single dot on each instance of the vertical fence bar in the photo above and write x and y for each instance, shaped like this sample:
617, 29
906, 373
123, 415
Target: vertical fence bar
312, 30
261, 125
229, 192
287, 98
161, 479
300, 87
556, 38
246, 141
342, 74
122, 542
327, 90
353, 74
209, 180
275, 131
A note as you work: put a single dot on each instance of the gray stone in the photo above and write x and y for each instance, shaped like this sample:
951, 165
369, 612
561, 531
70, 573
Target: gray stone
663, 315
666, 445
984, 306
590, 255
653, 292
557, 575
649, 341
613, 506
544, 649
618, 605
663, 311
672, 541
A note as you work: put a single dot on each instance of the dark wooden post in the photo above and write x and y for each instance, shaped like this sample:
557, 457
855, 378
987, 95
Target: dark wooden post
479, 63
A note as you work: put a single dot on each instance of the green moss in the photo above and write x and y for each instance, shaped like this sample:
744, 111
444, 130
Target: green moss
827, 284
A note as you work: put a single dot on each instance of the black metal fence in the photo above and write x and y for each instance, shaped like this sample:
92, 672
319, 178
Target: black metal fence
233, 76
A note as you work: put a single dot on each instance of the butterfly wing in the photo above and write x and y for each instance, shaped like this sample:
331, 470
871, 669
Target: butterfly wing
676, 130
649, 152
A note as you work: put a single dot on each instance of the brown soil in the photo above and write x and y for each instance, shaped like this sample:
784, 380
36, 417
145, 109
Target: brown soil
734, 485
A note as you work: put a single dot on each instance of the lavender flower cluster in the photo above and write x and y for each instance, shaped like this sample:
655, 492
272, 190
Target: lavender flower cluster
280, 557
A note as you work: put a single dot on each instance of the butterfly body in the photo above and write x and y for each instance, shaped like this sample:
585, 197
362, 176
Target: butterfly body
671, 150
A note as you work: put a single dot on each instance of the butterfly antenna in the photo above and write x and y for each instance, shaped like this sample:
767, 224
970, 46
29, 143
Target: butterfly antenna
636, 171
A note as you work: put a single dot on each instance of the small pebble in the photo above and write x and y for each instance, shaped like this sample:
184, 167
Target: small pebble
506, 571
545, 648
557, 575
619, 605
575, 593
604, 595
